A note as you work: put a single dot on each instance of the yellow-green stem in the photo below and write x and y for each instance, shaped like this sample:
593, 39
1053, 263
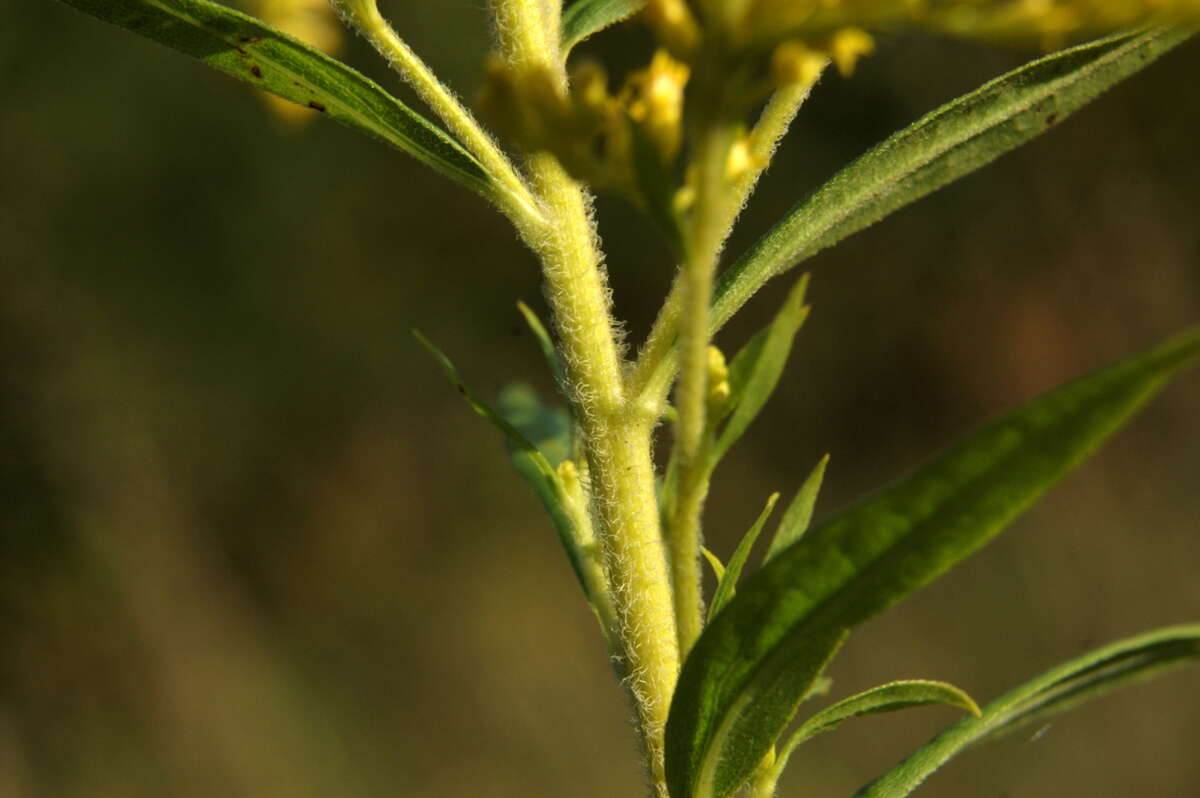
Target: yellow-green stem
655, 368
617, 432
528, 29
619, 454
512, 195
702, 249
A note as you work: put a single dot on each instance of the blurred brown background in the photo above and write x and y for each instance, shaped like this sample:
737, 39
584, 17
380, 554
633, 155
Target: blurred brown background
251, 543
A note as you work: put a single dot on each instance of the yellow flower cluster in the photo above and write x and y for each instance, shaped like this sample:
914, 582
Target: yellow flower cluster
754, 24
598, 136
630, 140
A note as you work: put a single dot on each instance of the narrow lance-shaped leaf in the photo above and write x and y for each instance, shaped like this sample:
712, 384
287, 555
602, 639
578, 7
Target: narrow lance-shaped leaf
714, 562
756, 370
1061, 688
730, 574
585, 17
739, 688
254, 52
546, 344
938, 149
484, 409
799, 513
530, 463
890, 697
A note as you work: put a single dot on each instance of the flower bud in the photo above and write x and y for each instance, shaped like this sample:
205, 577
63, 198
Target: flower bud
793, 63
657, 102
718, 379
847, 45
674, 25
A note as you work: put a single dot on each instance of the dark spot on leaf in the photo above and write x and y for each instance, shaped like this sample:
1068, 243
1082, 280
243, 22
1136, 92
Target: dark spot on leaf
1051, 119
461, 389
249, 39
255, 71
316, 106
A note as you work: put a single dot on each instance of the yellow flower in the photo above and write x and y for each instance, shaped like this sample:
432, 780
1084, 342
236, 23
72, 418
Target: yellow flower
655, 102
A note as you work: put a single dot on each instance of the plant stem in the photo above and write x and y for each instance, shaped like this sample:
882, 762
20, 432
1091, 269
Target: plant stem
528, 32
513, 196
702, 250
651, 376
619, 454
617, 432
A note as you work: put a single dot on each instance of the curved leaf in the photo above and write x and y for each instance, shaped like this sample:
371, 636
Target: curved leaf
530, 462
729, 574
939, 148
890, 697
756, 369
739, 686
546, 344
586, 17
1058, 689
254, 52
799, 513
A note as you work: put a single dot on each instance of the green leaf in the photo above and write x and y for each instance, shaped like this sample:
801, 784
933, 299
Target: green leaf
545, 426
714, 562
938, 149
519, 441
889, 697
530, 462
546, 343
253, 52
755, 371
586, 17
739, 688
799, 513
1061, 688
727, 587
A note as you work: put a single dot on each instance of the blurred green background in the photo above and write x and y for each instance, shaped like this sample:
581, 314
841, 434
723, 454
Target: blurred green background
252, 544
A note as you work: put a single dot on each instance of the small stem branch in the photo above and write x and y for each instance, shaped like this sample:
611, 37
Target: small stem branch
654, 370
513, 195
702, 250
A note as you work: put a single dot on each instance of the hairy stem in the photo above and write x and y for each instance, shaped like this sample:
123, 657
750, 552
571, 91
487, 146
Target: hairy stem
528, 30
619, 454
617, 433
513, 196
703, 246
655, 368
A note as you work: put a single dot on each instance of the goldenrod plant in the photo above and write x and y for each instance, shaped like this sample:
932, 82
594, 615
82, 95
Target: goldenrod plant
716, 684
